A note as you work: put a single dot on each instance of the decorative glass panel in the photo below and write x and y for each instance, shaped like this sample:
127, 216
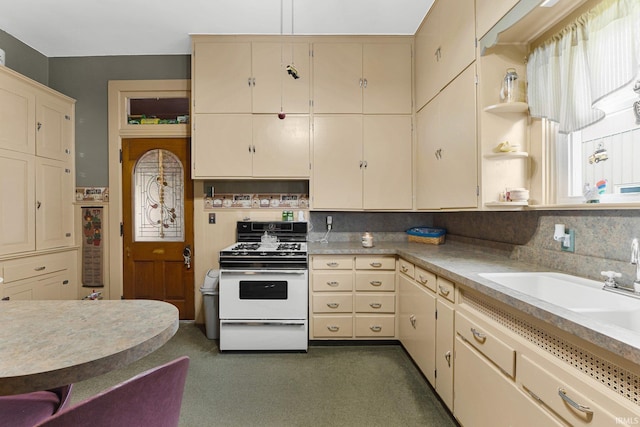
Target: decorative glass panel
159, 197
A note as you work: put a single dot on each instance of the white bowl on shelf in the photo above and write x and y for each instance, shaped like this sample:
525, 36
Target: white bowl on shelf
518, 194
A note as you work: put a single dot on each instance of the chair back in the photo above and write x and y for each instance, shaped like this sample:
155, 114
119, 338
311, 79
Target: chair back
25, 410
152, 398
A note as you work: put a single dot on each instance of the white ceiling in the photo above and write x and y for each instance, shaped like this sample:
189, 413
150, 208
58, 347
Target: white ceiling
133, 27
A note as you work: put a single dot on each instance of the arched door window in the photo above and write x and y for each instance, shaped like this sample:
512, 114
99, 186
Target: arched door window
159, 197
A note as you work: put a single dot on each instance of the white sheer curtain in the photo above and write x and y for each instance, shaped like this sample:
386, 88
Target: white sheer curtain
575, 70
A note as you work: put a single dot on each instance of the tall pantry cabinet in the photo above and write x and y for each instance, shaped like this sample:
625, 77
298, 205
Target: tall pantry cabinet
36, 190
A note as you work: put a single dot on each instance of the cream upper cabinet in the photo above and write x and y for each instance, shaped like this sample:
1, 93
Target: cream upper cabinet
54, 128
445, 45
36, 166
370, 78
54, 204
17, 201
246, 145
362, 162
17, 115
281, 146
447, 150
249, 77
489, 12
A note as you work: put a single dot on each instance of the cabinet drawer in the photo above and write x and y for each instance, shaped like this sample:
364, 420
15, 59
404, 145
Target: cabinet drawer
446, 289
375, 263
34, 266
375, 326
374, 303
329, 281
487, 343
332, 326
406, 268
425, 278
332, 263
555, 393
380, 281
332, 303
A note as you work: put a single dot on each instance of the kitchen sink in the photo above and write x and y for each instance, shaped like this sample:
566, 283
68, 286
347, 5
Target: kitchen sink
576, 294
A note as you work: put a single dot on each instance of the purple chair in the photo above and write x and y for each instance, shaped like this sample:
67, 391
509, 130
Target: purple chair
152, 398
26, 410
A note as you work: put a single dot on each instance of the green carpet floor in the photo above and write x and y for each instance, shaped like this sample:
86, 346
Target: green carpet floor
328, 386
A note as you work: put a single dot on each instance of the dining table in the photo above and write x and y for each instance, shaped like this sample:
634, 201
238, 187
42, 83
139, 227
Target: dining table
47, 344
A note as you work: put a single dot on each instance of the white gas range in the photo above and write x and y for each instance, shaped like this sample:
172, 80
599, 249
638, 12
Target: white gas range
264, 288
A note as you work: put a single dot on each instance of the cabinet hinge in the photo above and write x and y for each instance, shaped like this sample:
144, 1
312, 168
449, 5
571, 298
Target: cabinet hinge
475, 42
120, 154
436, 314
476, 80
435, 373
311, 52
67, 117
121, 229
477, 190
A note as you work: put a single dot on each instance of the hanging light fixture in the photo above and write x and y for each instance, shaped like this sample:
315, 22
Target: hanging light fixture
291, 68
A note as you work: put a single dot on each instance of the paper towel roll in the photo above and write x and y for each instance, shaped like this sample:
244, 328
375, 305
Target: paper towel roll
2, 57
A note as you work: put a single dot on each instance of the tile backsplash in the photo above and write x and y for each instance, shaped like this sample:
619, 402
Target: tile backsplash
602, 237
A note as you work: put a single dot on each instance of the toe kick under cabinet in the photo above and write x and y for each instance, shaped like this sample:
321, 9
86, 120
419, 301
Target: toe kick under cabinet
352, 297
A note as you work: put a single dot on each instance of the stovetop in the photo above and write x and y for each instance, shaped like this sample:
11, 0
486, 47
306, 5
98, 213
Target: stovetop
259, 248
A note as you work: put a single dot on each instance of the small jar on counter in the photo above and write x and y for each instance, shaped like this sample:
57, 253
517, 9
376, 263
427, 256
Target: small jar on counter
367, 240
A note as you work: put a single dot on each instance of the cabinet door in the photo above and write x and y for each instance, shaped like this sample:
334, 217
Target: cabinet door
17, 115
387, 78
281, 146
54, 204
504, 405
444, 352
274, 87
428, 81
337, 77
489, 12
387, 156
54, 128
417, 328
222, 145
337, 162
458, 37
429, 171
17, 201
222, 77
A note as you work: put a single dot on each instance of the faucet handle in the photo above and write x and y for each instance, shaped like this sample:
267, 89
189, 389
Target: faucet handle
611, 276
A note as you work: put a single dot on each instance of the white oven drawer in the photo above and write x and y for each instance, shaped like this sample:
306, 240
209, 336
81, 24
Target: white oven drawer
267, 335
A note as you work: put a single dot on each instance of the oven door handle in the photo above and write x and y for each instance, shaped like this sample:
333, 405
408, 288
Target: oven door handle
245, 323
254, 272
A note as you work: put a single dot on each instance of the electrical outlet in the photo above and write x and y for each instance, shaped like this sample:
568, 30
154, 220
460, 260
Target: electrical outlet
212, 218
329, 222
572, 242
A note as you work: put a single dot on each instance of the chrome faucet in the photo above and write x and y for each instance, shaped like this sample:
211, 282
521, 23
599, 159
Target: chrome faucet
635, 260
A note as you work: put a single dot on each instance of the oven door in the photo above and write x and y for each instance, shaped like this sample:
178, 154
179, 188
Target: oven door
264, 294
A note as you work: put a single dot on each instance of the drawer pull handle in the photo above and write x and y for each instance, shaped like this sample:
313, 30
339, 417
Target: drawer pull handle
478, 335
412, 319
65, 282
375, 283
376, 264
332, 264
447, 357
40, 268
333, 305
333, 328
422, 279
333, 284
375, 328
444, 291
582, 408
404, 268
375, 305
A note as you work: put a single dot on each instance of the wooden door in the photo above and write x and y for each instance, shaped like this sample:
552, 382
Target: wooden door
158, 222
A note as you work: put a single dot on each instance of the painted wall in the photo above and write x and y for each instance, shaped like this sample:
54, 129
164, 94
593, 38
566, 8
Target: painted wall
86, 79
23, 59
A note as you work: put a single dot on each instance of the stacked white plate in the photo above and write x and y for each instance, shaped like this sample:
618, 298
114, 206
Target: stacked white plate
518, 194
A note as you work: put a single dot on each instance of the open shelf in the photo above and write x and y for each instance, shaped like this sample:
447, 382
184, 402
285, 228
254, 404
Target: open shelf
508, 107
506, 205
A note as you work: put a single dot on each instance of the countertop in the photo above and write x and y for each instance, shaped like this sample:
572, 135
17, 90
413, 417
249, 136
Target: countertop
46, 344
461, 263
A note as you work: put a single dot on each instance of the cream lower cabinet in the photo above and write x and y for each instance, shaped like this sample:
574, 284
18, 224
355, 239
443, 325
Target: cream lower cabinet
447, 169
362, 162
352, 297
246, 145
426, 325
41, 277
510, 372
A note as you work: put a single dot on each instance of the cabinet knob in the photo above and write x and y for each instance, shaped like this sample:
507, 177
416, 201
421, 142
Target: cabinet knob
444, 291
412, 319
39, 126
447, 357
480, 337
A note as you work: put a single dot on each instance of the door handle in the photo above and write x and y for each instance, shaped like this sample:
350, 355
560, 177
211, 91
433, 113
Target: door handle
186, 254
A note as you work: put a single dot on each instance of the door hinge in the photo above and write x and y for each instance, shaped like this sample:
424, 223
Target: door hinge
436, 314
435, 373
476, 80
475, 42
478, 190
121, 229
120, 155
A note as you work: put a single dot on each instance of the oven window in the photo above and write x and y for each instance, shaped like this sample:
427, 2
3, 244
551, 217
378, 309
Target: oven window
263, 289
